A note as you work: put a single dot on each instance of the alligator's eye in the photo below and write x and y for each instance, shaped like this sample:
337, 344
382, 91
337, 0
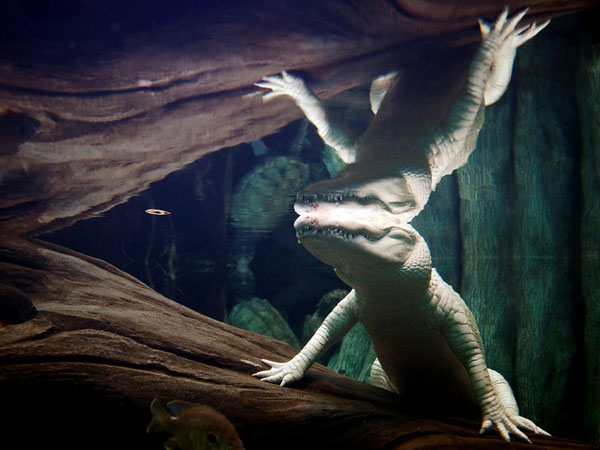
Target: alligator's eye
211, 438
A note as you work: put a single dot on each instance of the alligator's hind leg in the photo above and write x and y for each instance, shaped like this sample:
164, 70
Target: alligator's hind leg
488, 78
489, 387
503, 391
490, 70
506, 397
502, 63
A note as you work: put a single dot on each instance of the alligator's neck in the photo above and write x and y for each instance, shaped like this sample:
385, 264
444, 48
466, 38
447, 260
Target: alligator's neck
369, 246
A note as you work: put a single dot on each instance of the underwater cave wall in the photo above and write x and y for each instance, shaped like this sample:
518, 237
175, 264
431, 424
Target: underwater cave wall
588, 89
529, 216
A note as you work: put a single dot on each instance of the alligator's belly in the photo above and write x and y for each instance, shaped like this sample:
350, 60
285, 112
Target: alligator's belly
417, 358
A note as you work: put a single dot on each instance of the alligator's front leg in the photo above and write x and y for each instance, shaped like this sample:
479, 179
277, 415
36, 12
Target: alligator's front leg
335, 135
339, 321
488, 78
490, 389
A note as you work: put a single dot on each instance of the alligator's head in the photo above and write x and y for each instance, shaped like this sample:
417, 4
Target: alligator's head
356, 223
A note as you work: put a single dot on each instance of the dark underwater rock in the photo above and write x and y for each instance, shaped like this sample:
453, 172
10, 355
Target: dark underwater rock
324, 307
15, 306
264, 195
262, 199
314, 321
259, 316
355, 356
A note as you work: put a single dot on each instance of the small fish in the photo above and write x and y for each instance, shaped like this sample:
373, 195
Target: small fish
193, 427
157, 212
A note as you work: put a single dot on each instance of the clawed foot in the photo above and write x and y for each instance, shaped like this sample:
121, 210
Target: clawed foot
284, 84
505, 425
280, 373
503, 33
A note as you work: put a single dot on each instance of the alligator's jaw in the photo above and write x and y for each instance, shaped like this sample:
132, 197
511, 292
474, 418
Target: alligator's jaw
348, 219
351, 235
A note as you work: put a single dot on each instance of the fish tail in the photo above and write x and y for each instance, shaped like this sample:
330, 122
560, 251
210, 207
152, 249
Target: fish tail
160, 417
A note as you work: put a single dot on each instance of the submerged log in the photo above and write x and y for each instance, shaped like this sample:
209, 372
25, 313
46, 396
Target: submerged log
83, 372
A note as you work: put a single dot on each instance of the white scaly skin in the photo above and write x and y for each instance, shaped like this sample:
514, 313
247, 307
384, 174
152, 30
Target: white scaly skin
488, 79
424, 335
337, 323
336, 136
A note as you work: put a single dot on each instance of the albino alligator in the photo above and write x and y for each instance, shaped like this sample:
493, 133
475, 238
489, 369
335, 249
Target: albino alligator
425, 337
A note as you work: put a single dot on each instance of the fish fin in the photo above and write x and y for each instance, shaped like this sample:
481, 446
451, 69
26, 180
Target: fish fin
160, 417
177, 407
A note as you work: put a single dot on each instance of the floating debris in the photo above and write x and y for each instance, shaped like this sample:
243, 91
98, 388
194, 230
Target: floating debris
157, 212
